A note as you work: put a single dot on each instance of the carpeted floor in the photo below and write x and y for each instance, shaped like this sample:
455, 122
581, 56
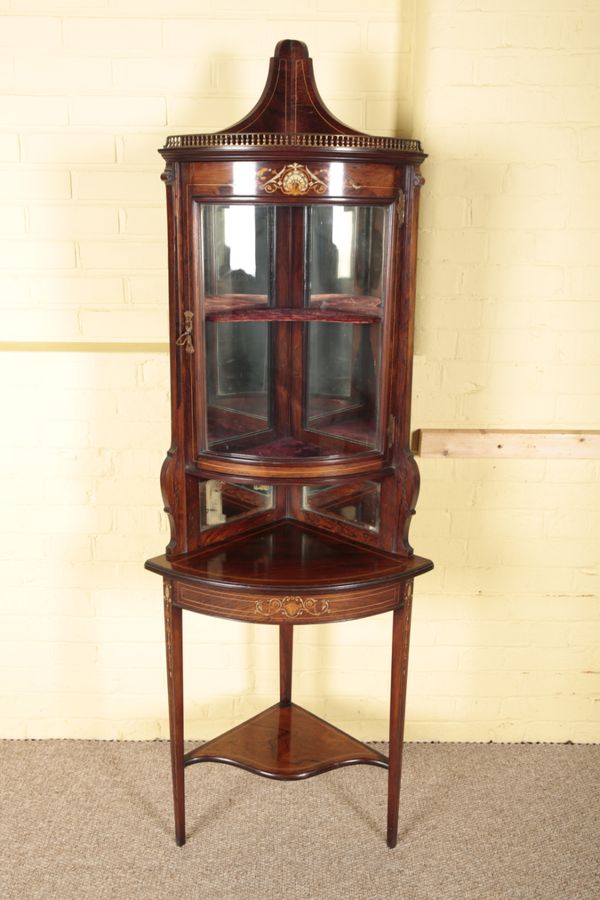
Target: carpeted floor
91, 819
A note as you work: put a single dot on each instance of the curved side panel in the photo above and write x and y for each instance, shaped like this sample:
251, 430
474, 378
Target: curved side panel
168, 487
407, 485
172, 477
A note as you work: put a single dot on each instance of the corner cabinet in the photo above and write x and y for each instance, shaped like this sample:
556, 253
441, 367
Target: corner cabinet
289, 483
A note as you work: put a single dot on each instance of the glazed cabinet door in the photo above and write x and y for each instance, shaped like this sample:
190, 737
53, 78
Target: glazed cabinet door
235, 262
292, 305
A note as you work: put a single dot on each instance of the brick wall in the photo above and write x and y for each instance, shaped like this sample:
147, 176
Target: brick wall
508, 336
505, 98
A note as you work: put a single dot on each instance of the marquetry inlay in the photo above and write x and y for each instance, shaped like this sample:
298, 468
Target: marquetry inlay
293, 179
292, 607
401, 207
168, 597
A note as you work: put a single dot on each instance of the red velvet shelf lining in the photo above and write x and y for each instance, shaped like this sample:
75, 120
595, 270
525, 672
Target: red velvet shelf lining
291, 448
286, 448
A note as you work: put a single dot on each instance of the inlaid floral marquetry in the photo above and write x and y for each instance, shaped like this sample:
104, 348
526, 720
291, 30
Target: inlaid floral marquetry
401, 207
293, 179
292, 607
168, 601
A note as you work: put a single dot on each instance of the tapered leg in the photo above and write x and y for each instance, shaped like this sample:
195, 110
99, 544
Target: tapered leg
400, 639
286, 649
175, 687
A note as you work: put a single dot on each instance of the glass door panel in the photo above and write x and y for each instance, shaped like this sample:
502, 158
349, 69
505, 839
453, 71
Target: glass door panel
237, 257
238, 380
292, 357
345, 259
236, 276
345, 280
342, 381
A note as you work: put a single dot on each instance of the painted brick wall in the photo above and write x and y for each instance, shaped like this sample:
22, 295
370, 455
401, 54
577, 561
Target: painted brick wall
508, 335
505, 97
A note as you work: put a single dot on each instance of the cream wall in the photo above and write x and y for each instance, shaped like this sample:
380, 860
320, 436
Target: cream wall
505, 95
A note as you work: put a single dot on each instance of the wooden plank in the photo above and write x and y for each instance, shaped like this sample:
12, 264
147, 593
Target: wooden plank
506, 444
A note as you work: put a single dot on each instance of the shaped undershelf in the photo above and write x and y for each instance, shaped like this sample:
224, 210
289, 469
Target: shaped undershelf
286, 742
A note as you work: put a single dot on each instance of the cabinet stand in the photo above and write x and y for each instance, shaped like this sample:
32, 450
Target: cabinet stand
285, 741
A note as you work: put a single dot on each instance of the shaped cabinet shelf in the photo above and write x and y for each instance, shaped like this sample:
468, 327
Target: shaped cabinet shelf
289, 484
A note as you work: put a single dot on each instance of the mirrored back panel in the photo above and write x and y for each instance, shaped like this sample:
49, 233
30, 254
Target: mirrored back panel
358, 503
224, 502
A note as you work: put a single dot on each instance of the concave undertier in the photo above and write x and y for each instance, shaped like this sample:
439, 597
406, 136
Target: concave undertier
286, 742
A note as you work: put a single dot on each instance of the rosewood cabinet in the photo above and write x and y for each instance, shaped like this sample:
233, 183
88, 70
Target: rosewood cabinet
289, 483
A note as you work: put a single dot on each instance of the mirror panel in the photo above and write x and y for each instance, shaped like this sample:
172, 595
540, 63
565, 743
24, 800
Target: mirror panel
223, 502
359, 503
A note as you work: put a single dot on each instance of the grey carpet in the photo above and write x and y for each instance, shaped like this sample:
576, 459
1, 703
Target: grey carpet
91, 819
